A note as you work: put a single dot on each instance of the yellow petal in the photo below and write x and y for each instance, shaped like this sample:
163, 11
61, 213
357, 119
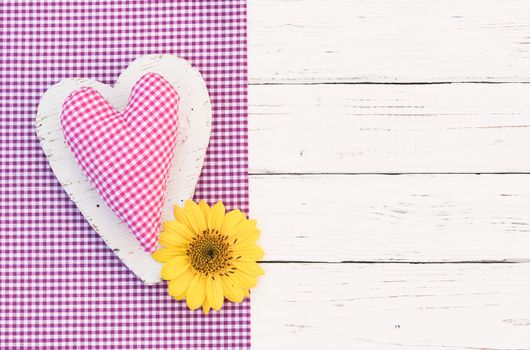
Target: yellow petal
206, 307
174, 267
182, 217
163, 255
216, 216
249, 267
233, 291
179, 286
245, 231
205, 208
214, 293
196, 292
250, 236
247, 281
248, 252
195, 216
171, 240
232, 218
179, 229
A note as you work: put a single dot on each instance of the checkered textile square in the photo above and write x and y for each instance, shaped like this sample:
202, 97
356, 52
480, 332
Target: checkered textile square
60, 286
126, 156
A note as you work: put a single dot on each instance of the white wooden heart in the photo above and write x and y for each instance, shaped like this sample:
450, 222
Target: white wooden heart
195, 117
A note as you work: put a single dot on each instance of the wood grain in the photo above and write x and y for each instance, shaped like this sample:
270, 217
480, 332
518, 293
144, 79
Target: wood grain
388, 41
420, 218
463, 128
317, 122
392, 306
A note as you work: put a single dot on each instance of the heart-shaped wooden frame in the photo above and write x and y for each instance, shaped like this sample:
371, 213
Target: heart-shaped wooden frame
195, 115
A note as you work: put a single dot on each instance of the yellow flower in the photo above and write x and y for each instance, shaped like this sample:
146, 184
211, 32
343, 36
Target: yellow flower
209, 255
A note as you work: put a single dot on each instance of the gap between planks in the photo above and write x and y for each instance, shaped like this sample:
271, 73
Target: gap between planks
305, 83
383, 174
361, 262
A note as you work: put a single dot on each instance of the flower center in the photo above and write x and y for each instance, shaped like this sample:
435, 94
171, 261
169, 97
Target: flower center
210, 252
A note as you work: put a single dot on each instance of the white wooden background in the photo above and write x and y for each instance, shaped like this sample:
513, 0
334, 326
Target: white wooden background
390, 162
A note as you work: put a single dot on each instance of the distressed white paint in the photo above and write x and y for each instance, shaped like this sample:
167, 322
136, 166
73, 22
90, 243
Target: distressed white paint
388, 41
417, 218
389, 128
192, 141
392, 306
339, 128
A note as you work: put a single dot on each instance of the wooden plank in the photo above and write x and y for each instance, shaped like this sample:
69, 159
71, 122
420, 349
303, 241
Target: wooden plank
393, 217
466, 128
392, 306
388, 41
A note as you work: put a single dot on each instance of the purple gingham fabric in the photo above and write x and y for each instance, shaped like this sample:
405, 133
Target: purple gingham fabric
60, 286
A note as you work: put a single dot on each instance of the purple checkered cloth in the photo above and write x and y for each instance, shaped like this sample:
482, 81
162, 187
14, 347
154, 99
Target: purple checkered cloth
60, 285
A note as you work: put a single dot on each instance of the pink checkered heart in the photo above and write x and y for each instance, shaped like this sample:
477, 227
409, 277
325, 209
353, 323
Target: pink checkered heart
126, 155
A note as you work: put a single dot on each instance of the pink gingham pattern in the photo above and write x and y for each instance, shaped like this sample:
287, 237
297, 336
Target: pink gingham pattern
126, 155
60, 286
